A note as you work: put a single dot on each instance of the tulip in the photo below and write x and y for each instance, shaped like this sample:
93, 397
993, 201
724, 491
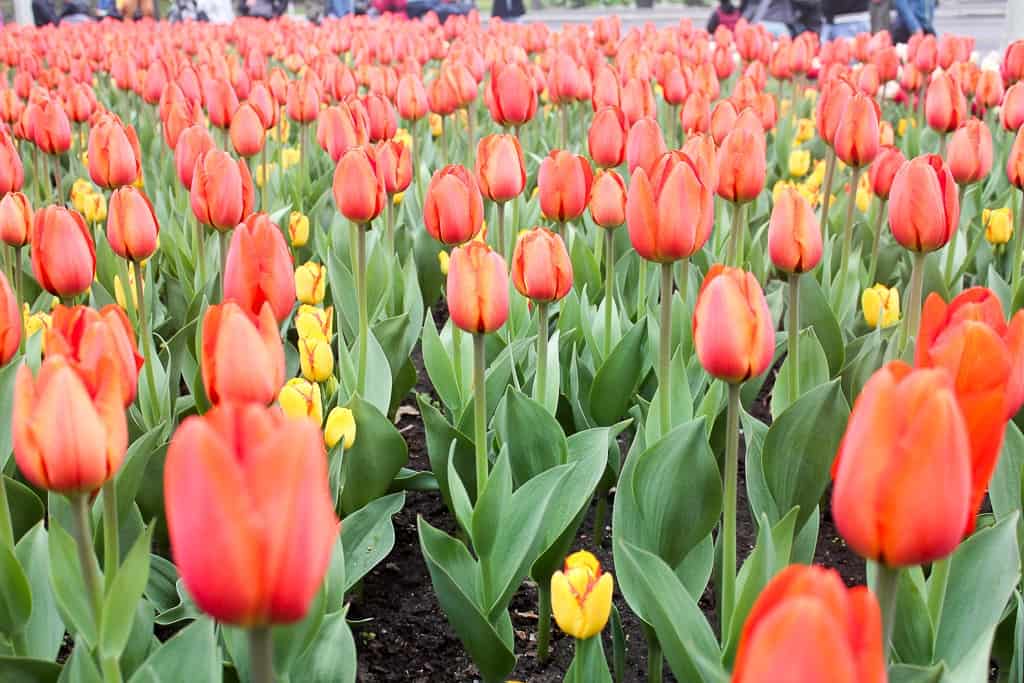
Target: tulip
1013, 62
89, 445
723, 119
381, 117
606, 139
311, 321
998, 225
301, 398
608, 199
883, 170
114, 156
258, 269
541, 270
695, 115
500, 168
581, 596
52, 130
341, 128
303, 102
132, 226
316, 360
837, 630
411, 98
945, 105
563, 182
1012, 112
15, 219
221, 191
359, 191
10, 322
394, 163
12, 173
311, 283
989, 91
340, 428
247, 131
644, 145
230, 334
192, 144
970, 339
1015, 161
881, 306
220, 101
510, 95
63, 254
741, 165
856, 135
249, 513
453, 210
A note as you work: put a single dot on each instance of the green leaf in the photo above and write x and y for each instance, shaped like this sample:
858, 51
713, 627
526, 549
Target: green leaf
68, 585
124, 594
80, 668
618, 378
813, 371
492, 507
440, 368
191, 655
161, 586
15, 594
815, 311
368, 535
534, 438
680, 400
331, 657
1008, 479
7, 375
444, 442
909, 673
913, 635
44, 631
378, 454
589, 664
454, 576
26, 508
758, 494
26, 670
800, 447
460, 503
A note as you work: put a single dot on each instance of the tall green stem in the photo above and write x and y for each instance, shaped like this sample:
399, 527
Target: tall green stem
938, 582
480, 413
655, 658
502, 243
793, 335
6, 527
457, 359
844, 263
641, 291
826, 197
732, 435
951, 247
563, 136
470, 133
887, 583
200, 239
224, 238
665, 349
144, 328
261, 655
879, 221
913, 316
111, 540
1018, 245
609, 289
444, 143
80, 528
263, 172
389, 221
540, 383
364, 322
734, 255
543, 620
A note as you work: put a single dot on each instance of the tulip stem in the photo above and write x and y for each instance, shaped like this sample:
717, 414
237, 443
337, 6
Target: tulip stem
261, 655
543, 620
826, 197
457, 362
876, 242
111, 541
734, 255
470, 133
364, 324
732, 435
793, 335
641, 292
144, 331
263, 173
200, 236
914, 300
1018, 246
887, 583
80, 528
951, 247
500, 206
444, 144
844, 263
540, 384
609, 289
563, 137
655, 658
938, 582
224, 240
6, 527
665, 350
480, 413
389, 221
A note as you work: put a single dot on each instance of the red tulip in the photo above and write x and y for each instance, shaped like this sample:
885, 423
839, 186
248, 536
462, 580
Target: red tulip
220, 101
1013, 62
259, 268
832, 104
303, 101
500, 168
723, 119
670, 214
193, 143
358, 189
924, 209
733, 330
644, 145
52, 131
222, 194
453, 211
945, 106
12, 173
1012, 113
970, 152
883, 170
695, 116
608, 199
394, 163
381, 115
231, 334
247, 131
477, 288
856, 137
510, 95
541, 269
15, 219
989, 90
563, 182
63, 253
132, 226
741, 165
10, 322
341, 128
794, 235
606, 139
411, 98
1015, 161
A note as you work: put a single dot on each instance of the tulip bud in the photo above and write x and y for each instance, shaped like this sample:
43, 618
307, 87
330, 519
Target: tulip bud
581, 596
644, 145
453, 211
608, 199
220, 101
1013, 62
394, 163
114, 156
249, 513
340, 428
723, 119
794, 236
1012, 112
311, 283
970, 152
316, 359
500, 168
883, 170
358, 189
741, 165
881, 306
230, 334
695, 115
381, 116
411, 98
510, 95
834, 100
805, 609
10, 322
799, 162
52, 131
998, 225
192, 144
733, 330
301, 398
341, 128
311, 321
247, 131
857, 136
1015, 161
905, 426
563, 182
221, 193
303, 101
541, 269
12, 173
15, 219
298, 228
258, 268
607, 137
670, 214
477, 288
132, 227
63, 254
924, 208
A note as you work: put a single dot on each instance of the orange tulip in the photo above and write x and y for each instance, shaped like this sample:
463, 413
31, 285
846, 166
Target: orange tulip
1012, 112
970, 339
88, 339
341, 128
700, 147
1013, 62
249, 513
924, 208
857, 136
970, 152
411, 98
638, 101
180, 116
1015, 161
607, 88
259, 268
231, 334
193, 143
883, 170
220, 101
358, 189
63, 253
741, 165
807, 610
12, 173
510, 95
262, 100
52, 131
394, 163
695, 116
607, 137
733, 330
132, 226
723, 119
453, 211
541, 269
247, 131
500, 168
905, 428
644, 145
608, 199
477, 288
10, 322
303, 101
989, 90
381, 115
66, 437
222, 194
794, 235
669, 214
832, 104
945, 105
564, 181
15, 219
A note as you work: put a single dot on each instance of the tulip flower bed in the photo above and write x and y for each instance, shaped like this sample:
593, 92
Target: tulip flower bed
325, 357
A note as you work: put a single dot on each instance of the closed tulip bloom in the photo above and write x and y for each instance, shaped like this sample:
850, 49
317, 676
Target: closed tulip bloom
989, 91
311, 321
500, 168
247, 132
944, 105
741, 165
644, 145
193, 142
67, 438
12, 173
341, 128
316, 359
249, 513
1015, 161
477, 288
88, 339
733, 330
10, 322
669, 214
563, 182
857, 135
311, 282
258, 269
220, 101
832, 104
301, 398
394, 164
510, 95
924, 208
411, 98
541, 269
114, 156
807, 610
1012, 112
608, 199
15, 219
883, 170
132, 226
970, 152
298, 228
303, 101
52, 131
63, 253
723, 119
1013, 62
970, 339
358, 189
606, 139
695, 116
221, 194
382, 118
905, 427
340, 428
881, 306
794, 236
230, 334
262, 100
581, 596
453, 211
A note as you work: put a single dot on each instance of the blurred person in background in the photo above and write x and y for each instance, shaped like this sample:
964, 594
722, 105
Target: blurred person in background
844, 18
774, 15
880, 15
726, 14
917, 15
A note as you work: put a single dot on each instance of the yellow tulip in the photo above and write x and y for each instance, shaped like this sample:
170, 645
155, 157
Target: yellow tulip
340, 427
315, 358
397, 198
442, 261
436, 125
298, 228
998, 225
804, 131
799, 162
311, 321
94, 208
119, 293
881, 301
290, 156
36, 322
261, 177
283, 127
581, 596
301, 398
402, 135
311, 283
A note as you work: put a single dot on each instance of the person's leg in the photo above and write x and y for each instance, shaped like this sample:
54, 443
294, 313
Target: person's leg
880, 11
908, 15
